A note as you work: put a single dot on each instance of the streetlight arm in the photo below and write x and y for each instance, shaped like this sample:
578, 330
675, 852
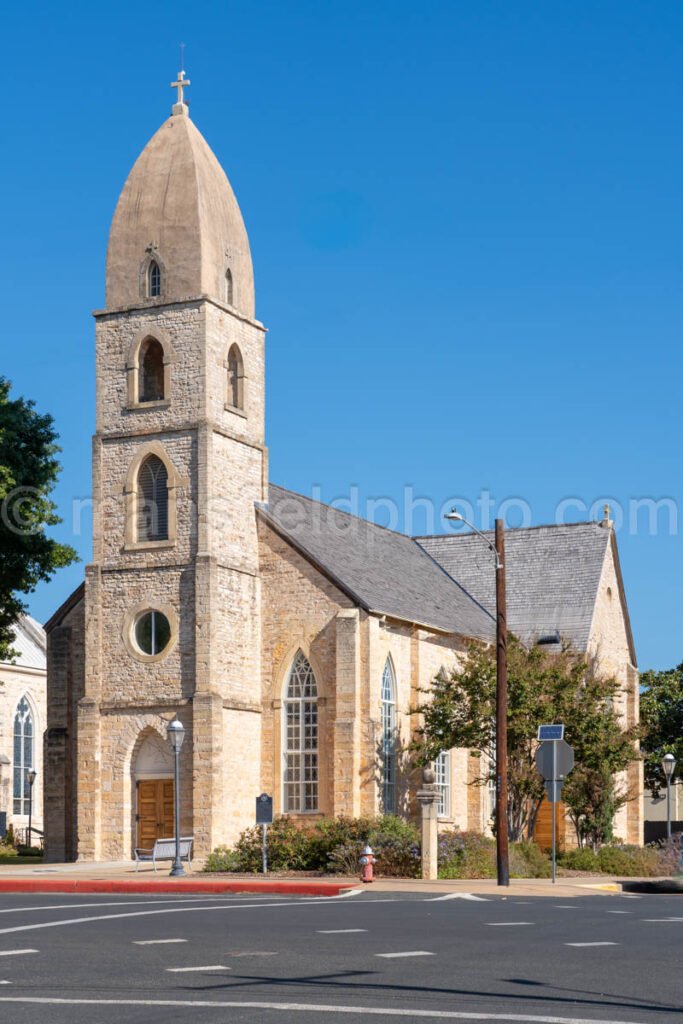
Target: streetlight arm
461, 519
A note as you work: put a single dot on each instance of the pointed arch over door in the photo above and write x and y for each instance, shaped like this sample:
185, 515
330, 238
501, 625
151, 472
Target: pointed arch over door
389, 742
300, 738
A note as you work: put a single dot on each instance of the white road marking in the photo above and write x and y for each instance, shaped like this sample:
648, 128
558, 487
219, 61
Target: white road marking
155, 942
565, 906
5, 982
458, 896
592, 943
340, 896
660, 920
189, 970
507, 924
321, 901
619, 911
522, 903
368, 1011
16, 952
112, 903
339, 931
411, 952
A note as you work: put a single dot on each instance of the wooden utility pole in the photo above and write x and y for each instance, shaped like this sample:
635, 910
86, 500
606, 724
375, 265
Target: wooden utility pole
502, 855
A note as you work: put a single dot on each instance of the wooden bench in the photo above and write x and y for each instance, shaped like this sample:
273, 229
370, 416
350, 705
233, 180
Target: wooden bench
164, 849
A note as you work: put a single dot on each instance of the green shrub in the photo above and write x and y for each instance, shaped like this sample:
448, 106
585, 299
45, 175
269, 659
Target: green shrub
396, 845
527, 860
579, 860
466, 855
222, 859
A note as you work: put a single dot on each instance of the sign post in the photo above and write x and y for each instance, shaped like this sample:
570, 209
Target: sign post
264, 818
554, 760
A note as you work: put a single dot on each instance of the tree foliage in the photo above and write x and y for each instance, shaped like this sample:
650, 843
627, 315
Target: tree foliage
661, 716
458, 710
28, 473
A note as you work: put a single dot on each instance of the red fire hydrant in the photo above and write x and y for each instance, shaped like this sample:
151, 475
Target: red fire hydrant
367, 860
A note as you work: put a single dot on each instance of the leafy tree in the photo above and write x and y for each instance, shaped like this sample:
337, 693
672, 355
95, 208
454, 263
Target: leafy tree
28, 472
661, 716
459, 711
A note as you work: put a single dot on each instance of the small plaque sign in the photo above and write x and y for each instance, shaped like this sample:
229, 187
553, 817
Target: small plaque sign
264, 809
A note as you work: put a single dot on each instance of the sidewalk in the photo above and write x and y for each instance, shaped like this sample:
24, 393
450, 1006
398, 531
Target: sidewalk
121, 876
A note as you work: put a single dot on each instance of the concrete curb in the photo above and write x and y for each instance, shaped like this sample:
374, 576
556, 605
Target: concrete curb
178, 886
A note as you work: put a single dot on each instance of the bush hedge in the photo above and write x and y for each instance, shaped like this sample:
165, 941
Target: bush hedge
333, 845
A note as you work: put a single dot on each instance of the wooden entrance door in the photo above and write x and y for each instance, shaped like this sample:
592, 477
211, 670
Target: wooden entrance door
155, 811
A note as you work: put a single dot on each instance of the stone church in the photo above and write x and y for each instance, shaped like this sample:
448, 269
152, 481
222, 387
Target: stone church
289, 638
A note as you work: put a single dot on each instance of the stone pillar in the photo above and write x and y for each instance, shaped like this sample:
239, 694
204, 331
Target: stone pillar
428, 798
347, 716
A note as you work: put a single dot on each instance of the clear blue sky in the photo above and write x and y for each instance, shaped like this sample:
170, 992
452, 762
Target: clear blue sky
466, 225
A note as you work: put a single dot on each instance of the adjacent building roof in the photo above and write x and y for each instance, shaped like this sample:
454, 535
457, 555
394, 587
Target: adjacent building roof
552, 575
29, 643
380, 570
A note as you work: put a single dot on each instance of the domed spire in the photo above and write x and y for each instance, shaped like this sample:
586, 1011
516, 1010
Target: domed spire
177, 231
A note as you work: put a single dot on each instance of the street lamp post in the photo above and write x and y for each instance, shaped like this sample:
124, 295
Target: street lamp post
498, 548
31, 776
668, 765
176, 735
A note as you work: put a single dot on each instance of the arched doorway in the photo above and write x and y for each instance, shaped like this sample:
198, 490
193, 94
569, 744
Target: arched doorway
153, 781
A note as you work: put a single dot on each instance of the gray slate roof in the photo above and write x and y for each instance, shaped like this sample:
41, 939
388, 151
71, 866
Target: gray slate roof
553, 573
29, 642
382, 571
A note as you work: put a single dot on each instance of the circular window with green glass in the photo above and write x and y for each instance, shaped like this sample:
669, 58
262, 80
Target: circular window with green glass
152, 632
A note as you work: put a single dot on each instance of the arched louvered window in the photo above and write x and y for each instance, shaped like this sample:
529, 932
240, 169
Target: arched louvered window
152, 500
442, 773
228, 287
151, 371
300, 753
235, 378
153, 280
389, 739
23, 756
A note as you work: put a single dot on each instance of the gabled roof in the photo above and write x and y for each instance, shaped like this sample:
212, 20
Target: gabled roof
29, 642
552, 575
65, 607
380, 570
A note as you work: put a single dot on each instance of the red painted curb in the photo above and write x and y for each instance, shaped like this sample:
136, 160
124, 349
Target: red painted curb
189, 885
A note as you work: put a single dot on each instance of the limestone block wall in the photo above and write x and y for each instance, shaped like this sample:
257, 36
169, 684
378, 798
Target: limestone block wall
299, 608
223, 329
65, 688
180, 329
116, 457
241, 771
609, 645
131, 680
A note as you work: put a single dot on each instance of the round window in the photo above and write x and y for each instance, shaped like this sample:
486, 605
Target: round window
152, 632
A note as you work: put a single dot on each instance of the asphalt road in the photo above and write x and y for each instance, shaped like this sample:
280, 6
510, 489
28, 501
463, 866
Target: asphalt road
413, 957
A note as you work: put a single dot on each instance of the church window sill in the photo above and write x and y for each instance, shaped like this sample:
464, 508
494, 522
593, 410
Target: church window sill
161, 403
149, 545
236, 411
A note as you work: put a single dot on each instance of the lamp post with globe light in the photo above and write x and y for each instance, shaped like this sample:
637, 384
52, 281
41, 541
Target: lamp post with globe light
668, 766
498, 549
176, 735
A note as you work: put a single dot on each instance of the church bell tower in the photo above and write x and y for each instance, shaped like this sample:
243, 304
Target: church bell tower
172, 594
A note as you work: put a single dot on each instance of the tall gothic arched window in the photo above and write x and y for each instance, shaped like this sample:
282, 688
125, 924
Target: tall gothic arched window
153, 280
23, 756
389, 739
300, 749
152, 500
235, 378
151, 371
